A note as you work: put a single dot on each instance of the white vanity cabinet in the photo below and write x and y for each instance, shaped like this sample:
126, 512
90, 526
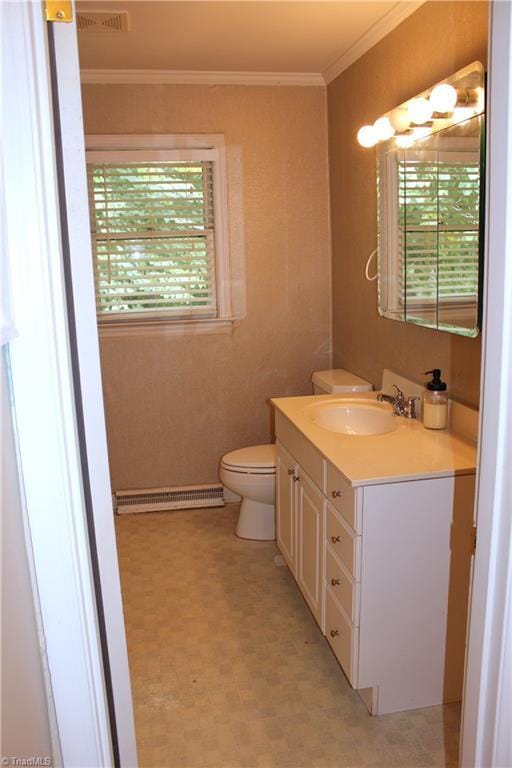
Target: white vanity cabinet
385, 570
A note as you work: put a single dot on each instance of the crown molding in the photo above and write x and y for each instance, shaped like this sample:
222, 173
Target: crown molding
389, 21
181, 77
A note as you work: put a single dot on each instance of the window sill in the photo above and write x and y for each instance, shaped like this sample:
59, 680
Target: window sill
165, 327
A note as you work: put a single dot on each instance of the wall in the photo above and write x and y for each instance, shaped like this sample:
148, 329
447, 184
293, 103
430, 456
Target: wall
175, 404
432, 43
25, 723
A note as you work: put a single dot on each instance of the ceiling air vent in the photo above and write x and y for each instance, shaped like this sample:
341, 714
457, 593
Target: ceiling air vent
102, 21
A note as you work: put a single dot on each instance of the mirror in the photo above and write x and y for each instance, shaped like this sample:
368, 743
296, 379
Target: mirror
430, 194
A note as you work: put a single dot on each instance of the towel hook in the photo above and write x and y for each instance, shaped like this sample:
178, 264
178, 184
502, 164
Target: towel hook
367, 268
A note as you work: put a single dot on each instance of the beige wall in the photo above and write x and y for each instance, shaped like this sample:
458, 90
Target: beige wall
438, 39
175, 404
25, 722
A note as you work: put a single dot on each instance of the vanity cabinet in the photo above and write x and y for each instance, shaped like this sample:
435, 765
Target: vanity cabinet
385, 570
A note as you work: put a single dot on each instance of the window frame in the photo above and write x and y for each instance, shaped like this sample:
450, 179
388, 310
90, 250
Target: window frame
119, 147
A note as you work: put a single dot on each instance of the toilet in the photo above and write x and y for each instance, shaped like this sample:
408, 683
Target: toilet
251, 472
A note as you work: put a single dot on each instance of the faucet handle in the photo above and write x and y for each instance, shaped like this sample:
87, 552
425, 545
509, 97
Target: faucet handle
410, 407
398, 393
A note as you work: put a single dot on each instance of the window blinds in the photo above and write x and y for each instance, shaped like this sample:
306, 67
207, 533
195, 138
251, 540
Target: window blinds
153, 237
438, 229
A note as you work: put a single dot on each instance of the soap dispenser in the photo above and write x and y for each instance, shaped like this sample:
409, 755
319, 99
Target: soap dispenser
435, 402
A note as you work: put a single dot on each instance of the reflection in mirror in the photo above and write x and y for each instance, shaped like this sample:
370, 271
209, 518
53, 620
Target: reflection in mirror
429, 203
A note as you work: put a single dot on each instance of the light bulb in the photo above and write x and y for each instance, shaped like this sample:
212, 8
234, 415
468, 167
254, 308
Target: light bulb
399, 119
383, 129
367, 136
443, 98
419, 111
460, 114
421, 131
404, 141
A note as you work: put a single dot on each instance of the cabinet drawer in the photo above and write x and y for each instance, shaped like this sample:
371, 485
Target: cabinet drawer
343, 637
343, 586
344, 542
301, 449
343, 497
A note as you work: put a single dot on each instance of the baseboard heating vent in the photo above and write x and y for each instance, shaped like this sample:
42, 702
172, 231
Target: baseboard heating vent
160, 499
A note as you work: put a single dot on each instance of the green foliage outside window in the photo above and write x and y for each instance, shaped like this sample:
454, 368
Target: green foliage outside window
153, 235
439, 229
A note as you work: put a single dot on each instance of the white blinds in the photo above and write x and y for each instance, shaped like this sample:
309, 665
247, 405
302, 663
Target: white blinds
153, 236
438, 229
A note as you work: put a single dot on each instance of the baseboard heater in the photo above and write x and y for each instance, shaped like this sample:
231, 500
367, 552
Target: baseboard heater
160, 499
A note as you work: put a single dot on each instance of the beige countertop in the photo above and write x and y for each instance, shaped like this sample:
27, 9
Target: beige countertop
410, 452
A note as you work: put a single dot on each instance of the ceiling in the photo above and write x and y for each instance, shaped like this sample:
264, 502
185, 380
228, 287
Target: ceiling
231, 36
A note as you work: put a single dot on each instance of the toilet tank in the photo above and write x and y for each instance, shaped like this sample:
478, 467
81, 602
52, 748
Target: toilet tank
338, 380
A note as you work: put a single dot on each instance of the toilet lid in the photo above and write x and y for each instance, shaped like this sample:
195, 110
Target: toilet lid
253, 457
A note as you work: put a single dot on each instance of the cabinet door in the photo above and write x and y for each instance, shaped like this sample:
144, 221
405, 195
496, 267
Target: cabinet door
286, 531
310, 537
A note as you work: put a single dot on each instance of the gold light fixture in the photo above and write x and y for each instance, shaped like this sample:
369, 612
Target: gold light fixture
454, 100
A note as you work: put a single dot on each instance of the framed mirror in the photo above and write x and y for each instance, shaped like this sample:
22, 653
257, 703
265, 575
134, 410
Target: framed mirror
430, 206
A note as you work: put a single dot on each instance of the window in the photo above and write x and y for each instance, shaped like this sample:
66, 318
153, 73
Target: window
159, 229
438, 228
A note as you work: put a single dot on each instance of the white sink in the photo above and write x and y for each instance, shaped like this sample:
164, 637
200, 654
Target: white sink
354, 417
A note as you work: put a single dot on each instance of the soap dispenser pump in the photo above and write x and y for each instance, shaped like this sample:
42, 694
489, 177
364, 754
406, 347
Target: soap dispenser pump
435, 402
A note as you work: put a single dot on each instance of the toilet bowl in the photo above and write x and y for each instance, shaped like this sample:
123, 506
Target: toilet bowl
251, 473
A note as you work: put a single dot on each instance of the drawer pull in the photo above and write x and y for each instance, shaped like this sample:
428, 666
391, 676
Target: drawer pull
291, 472
337, 494
335, 582
335, 633
335, 539
296, 478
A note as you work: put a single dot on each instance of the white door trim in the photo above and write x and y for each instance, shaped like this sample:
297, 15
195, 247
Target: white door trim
44, 399
487, 706
85, 345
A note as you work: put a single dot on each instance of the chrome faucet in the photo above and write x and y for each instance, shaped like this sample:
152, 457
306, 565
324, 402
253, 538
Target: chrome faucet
402, 406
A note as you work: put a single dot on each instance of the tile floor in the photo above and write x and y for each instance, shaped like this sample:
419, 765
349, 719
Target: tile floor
229, 669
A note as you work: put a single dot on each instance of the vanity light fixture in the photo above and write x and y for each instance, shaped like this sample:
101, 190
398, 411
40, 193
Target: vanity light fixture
453, 101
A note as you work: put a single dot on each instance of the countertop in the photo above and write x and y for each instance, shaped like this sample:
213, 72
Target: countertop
410, 452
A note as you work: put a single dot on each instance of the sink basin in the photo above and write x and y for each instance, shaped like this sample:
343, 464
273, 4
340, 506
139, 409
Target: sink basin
354, 417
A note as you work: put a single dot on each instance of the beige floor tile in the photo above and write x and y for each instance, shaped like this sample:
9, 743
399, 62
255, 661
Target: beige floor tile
229, 669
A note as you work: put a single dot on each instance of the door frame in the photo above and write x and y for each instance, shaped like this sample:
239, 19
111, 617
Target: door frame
62, 457
486, 738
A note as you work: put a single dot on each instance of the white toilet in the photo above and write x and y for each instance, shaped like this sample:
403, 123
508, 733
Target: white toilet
251, 472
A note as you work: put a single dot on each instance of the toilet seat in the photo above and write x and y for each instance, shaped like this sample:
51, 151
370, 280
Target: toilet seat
254, 460
251, 474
